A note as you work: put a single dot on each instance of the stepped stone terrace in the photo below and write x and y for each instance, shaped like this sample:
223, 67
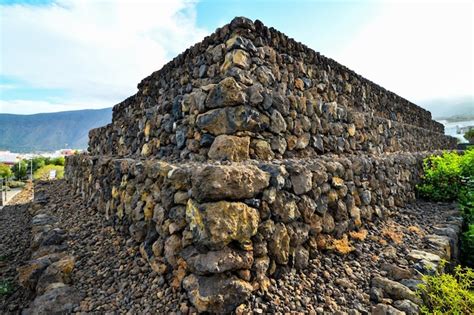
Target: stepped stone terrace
248, 155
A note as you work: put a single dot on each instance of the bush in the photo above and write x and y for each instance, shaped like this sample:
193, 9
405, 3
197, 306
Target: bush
467, 163
451, 177
58, 161
448, 293
466, 204
441, 180
21, 169
5, 171
467, 248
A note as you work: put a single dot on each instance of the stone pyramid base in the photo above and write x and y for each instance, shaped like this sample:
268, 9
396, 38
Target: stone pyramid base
220, 229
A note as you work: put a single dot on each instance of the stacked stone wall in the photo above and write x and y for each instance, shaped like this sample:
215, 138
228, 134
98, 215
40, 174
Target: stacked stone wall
340, 132
240, 223
249, 154
246, 79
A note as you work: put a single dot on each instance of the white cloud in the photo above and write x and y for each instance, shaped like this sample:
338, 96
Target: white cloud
420, 51
26, 107
94, 50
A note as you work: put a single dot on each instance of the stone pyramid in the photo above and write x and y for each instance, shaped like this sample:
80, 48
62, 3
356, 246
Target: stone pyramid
247, 155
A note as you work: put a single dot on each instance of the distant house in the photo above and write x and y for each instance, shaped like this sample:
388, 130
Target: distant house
67, 152
8, 158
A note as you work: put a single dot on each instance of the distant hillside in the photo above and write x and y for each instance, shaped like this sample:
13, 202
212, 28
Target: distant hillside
446, 108
50, 131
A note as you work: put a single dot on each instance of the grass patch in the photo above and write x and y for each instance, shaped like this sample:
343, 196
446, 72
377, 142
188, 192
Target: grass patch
43, 172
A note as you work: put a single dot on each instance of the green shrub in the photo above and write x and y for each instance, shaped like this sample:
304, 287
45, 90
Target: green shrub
58, 161
448, 293
466, 202
451, 177
467, 246
441, 180
21, 169
467, 163
5, 171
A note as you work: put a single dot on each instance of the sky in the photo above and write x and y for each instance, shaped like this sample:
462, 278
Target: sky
76, 54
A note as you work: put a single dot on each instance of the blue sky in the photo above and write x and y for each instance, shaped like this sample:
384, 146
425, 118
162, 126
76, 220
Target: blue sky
68, 54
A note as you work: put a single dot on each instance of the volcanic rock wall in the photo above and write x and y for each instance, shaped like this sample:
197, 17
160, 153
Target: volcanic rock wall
251, 80
242, 222
248, 154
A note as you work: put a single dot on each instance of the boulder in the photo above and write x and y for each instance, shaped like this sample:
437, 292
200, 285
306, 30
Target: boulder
217, 293
397, 273
172, 249
226, 93
285, 207
229, 120
138, 231
230, 148
237, 57
48, 237
279, 244
441, 244
384, 309
277, 122
230, 182
216, 224
302, 181
407, 306
301, 257
43, 219
211, 262
58, 299
59, 271
418, 255
239, 42
29, 273
395, 290
263, 150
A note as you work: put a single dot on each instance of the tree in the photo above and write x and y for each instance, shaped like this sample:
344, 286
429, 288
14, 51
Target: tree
38, 162
20, 169
5, 171
58, 161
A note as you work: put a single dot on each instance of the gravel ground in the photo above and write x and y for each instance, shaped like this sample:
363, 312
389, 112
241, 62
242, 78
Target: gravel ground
14, 251
341, 283
114, 277
109, 268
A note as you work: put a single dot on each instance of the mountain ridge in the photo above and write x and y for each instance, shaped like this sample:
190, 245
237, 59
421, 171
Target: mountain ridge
50, 131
